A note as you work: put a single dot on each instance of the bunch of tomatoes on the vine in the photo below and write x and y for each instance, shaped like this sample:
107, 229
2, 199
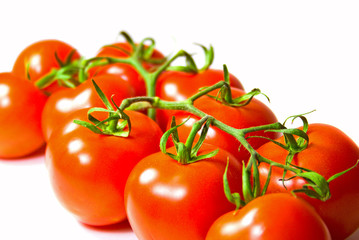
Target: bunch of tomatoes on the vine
182, 152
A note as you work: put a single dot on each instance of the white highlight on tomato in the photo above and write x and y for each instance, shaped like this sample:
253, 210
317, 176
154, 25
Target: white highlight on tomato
84, 158
116, 70
232, 227
171, 90
170, 192
75, 146
148, 176
35, 62
4, 95
80, 101
70, 127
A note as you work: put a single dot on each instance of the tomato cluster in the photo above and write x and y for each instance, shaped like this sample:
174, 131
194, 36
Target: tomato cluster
128, 135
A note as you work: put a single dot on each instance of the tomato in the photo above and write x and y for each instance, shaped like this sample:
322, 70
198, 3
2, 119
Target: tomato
330, 151
66, 101
21, 104
88, 171
123, 71
39, 59
178, 86
271, 217
254, 114
165, 199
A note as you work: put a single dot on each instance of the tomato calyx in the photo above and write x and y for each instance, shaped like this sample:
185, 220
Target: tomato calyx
117, 124
65, 75
191, 66
224, 94
187, 152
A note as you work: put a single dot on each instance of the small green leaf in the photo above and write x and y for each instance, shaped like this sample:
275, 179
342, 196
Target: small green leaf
247, 98
102, 96
89, 126
209, 56
128, 39
317, 186
204, 156
234, 198
246, 181
202, 137
166, 135
265, 187
343, 172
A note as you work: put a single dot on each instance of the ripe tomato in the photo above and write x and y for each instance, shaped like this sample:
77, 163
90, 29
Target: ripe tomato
168, 200
271, 217
178, 86
21, 104
123, 71
39, 58
254, 114
66, 101
330, 151
88, 171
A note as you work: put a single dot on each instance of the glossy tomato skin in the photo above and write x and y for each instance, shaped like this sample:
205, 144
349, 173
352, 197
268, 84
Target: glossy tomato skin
271, 217
21, 105
88, 171
178, 86
254, 114
167, 200
38, 59
330, 151
64, 102
124, 71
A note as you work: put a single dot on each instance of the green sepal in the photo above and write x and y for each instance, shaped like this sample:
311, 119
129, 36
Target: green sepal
190, 66
317, 186
335, 176
186, 152
203, 156
129, 40
112, 124
67, 60
209, 56
269, 139
234, 198
88, 125
167, 134
265, 187
247, 187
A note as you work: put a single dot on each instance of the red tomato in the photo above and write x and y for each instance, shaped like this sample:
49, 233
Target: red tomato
254, 114
21, 104
66, 101
38, 59
271, 217
330, 151
178, 86
123, 71
88, 171
168, 200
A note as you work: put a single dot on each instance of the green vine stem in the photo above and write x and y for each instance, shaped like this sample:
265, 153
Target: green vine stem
296, 141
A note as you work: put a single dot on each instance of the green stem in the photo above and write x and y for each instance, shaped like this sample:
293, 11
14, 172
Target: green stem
239, 134
46, 80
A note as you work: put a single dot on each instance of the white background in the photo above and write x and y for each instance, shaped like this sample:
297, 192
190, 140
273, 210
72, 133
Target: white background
303, 54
